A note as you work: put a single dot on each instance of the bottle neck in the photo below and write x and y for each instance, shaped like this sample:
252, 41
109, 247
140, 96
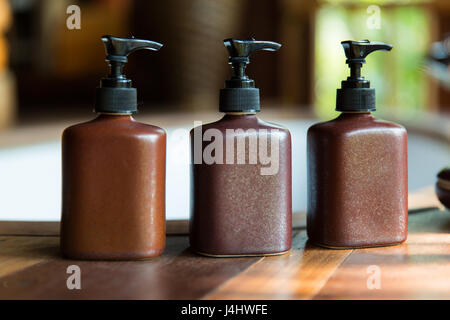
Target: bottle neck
355, 112
349, 115
240, 113
114, 116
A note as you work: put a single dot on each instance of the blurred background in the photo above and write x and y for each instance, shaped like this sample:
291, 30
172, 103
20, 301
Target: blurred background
48, 75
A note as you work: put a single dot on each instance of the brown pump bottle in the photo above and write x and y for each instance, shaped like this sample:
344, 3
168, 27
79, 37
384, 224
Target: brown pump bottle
357, 168
113, 171
241, 203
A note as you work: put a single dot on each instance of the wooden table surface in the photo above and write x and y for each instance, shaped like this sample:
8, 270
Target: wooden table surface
31, 267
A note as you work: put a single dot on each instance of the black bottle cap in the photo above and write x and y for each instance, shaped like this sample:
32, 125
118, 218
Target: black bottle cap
240, 94
355, 94
115, 94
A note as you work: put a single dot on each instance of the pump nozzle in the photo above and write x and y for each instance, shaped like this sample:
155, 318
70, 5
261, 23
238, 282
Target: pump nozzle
360, 49
244, 48
239, 52
115, 94
356, 52
240, 94
117, 49
355, 94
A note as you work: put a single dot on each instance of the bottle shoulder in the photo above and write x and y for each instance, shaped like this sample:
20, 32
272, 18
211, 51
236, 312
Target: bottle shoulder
112, 127
246, 124
354, 125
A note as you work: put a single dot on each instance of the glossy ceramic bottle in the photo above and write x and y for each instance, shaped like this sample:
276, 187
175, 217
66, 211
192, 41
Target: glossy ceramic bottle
240, 201
357, 168
114, 173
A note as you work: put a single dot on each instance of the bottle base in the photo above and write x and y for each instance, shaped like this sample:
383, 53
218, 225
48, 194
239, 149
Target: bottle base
112, 257
240, 255
355, 247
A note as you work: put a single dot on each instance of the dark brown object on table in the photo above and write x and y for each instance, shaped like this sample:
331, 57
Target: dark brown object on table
237, 211
113, 189
357, 182
443, 187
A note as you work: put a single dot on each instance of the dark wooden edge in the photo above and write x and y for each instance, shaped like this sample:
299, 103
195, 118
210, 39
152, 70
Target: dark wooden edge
51, 228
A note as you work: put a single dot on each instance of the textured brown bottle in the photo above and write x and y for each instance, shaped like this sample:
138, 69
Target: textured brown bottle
113, 189
236, 211
357, 182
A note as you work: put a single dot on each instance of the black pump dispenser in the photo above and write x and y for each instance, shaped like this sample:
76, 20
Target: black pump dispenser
115, 94
355, 94
240, 94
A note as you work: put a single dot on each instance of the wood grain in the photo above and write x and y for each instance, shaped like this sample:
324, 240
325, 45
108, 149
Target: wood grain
299, 274
178, 274
31, 268
417, 269
17, 253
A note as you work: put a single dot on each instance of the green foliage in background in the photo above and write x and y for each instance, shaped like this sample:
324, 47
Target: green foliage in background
397, 76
